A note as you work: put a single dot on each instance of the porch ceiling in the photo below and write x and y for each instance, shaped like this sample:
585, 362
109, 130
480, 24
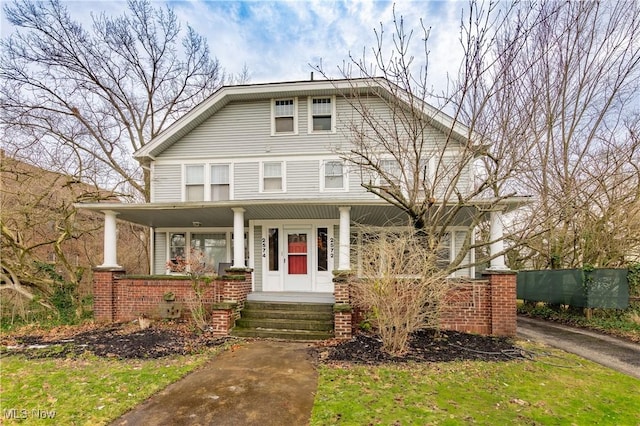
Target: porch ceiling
179, 215
220, 214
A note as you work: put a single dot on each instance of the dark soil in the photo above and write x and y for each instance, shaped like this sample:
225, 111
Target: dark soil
123, 341
128, 341
424, 346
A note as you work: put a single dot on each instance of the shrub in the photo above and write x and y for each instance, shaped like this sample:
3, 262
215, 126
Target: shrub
401, 286
200, 274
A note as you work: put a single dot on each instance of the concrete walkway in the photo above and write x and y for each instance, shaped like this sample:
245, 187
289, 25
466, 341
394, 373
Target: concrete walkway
614, 353
259, 383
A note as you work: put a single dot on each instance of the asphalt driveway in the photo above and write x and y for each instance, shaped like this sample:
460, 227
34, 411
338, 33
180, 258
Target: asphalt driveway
609, 351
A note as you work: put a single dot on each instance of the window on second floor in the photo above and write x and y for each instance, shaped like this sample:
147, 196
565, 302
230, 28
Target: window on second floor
389, 174
194, 182
284, 116
322, 116
334, 176
272, 176
219, 182
419, 179
207, 182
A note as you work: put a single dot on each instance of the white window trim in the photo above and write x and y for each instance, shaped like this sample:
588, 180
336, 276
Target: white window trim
430, 163
188, 232
310, 115
453, 249
345, 176
381, 182
184, 180
273, 117
208, 184
283, 173
282, 226
207, 179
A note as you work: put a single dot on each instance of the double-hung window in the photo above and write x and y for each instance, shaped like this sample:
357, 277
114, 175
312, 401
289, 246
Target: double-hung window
389, 174
207, 182
421, 180
334, 175
272, 176
284, 116
194, 182
219, 182
321, 115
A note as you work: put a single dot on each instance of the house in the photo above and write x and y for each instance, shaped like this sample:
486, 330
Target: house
252, 177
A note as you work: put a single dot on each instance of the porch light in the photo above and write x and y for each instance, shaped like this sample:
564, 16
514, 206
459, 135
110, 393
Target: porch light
196, 224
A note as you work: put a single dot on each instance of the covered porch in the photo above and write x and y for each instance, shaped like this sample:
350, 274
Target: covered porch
250, 217
118, 297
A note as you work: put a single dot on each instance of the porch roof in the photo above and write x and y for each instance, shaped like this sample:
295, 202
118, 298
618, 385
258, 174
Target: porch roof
220, 213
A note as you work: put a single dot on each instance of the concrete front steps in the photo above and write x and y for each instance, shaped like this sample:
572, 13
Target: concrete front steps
285, 320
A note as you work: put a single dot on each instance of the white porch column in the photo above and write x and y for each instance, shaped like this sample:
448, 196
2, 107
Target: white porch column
110, 259
238, 237
344, 250
497, 263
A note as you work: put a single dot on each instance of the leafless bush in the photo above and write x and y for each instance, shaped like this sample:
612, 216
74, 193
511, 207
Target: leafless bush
201, 274
401, 285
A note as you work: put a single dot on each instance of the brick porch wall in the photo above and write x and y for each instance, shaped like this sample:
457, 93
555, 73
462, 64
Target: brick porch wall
343, 314
485, 306
468, 308
119, 298
503, 303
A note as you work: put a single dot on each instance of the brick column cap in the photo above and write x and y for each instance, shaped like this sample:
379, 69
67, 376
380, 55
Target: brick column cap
489, 272
107, 269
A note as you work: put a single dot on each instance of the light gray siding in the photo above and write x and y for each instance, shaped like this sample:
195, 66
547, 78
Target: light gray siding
246, 182
166, 183
303, 178
241, 133
160, 253
449, 169
244, 128
241, 127
257, 256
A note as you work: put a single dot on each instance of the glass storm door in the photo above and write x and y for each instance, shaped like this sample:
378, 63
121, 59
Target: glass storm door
297, 260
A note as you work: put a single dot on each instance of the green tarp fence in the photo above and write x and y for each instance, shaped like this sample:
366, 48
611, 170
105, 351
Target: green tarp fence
600, 288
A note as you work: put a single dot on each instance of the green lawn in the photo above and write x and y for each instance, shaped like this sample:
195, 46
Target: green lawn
86, 390
549, 391
558, 390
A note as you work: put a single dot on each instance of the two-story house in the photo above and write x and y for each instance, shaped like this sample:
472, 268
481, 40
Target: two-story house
253, 177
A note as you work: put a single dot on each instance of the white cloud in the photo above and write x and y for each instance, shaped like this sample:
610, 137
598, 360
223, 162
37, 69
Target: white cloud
279, 40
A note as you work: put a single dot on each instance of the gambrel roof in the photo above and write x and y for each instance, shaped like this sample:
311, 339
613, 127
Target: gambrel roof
344, 87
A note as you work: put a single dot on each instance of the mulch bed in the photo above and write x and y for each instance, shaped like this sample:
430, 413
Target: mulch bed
128, 341
123, 341
424, 346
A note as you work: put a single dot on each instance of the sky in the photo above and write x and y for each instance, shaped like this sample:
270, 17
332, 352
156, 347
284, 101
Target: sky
283, 40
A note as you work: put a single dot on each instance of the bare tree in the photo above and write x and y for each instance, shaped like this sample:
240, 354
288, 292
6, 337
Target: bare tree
81, 100
47, 247
539, 107
430, 153
578, 77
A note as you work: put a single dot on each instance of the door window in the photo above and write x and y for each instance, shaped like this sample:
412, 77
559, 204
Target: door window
297, 254
322, 250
